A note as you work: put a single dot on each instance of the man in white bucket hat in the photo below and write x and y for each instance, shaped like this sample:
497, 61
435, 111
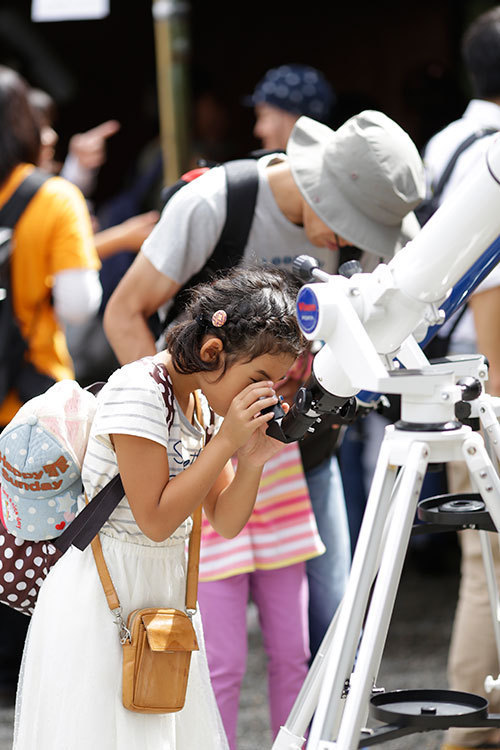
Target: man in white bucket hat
362, 180
356, 186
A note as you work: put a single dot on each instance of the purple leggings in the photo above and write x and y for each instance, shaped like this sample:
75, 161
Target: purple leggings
281, 597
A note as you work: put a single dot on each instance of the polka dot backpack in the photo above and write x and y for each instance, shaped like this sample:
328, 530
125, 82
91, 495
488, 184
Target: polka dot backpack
41, 454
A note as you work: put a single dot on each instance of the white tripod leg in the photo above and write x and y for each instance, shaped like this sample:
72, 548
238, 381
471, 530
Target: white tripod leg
383, 598
352, 611
291, 735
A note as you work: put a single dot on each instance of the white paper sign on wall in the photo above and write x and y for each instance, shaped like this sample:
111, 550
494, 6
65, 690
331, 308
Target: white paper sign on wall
69, 10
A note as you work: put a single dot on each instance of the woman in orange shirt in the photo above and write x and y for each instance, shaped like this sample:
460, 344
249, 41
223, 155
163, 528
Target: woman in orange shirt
54, 264
54, 279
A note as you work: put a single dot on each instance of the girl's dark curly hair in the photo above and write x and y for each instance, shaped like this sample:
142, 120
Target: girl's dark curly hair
260, 305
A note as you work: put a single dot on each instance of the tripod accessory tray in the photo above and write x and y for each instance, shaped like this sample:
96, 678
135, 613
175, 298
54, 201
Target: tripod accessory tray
429, 709
465, 510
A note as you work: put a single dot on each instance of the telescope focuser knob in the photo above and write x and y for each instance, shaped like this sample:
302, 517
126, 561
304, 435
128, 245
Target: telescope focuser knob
303, 266
349, 268
471, 388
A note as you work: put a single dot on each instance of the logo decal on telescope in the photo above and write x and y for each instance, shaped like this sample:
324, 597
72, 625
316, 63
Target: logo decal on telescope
307, 310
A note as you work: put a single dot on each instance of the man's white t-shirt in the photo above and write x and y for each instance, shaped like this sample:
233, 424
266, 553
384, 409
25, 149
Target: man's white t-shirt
479, 114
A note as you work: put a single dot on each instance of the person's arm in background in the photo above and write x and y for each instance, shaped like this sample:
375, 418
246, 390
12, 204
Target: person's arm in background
485, 307
140, 293
129, 235
86, 154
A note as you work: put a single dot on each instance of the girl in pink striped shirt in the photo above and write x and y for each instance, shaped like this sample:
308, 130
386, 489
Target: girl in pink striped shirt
264, 562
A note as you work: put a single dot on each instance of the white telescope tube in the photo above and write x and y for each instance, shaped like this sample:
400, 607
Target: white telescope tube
455, 237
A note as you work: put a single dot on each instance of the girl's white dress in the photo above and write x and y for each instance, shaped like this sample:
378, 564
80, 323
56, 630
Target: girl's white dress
70, 687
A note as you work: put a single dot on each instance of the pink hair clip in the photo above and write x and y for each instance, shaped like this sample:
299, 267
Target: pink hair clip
219, 318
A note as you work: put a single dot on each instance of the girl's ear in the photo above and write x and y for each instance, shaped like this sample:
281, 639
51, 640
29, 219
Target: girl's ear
211, 349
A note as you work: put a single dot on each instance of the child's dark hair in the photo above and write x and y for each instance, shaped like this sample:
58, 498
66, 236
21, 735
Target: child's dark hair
259, 302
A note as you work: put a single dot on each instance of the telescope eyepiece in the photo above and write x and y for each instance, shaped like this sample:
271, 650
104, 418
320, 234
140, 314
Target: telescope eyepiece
303, 400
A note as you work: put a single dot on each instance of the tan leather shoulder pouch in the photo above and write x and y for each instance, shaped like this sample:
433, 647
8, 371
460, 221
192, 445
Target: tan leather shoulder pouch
156, 660
157, 642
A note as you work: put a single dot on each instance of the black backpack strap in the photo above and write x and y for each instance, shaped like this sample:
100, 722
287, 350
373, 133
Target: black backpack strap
242, 187
455, 157
14, 207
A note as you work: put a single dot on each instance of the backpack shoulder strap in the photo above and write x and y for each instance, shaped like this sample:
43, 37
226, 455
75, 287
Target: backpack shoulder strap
456, 155
242, 188
14, 207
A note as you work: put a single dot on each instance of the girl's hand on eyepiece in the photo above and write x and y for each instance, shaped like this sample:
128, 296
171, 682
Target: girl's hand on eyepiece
261, 447
244, 416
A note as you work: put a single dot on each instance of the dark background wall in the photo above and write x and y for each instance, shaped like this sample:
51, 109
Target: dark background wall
400, 57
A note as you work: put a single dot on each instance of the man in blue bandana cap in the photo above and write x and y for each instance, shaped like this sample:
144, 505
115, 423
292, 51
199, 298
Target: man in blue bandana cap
282, 96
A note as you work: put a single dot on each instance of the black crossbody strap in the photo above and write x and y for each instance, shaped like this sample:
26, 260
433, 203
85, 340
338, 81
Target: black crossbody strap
91, 519
456, 155
14, 207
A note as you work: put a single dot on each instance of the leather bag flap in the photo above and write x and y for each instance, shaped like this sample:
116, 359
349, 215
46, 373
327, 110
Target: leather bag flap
170, 631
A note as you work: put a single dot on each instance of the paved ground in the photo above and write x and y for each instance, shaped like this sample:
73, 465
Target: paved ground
415, 656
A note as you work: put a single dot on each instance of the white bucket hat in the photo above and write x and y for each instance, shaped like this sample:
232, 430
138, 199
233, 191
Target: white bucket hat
363, 180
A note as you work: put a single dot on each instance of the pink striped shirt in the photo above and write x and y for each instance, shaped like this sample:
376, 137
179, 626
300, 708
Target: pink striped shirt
281, 530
